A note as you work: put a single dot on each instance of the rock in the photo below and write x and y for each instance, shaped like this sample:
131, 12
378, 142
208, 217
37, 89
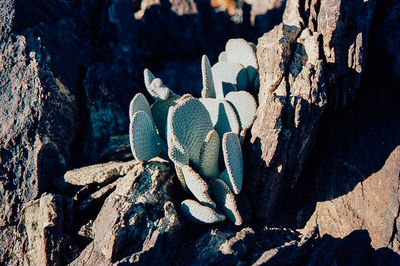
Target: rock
295, 78
360, 197
98, 173
344, 43
219, 247
39, 121
41, 228
292, 99
136, 218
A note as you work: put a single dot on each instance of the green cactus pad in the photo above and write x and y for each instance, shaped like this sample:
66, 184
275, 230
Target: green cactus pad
139, 103
190, 123
201, 214
222, 115
148, 78
197, 186
159, 110
143, 137
178, 153
222, 57
181, 178
245, 107
208, 83
242, 52
233, 161
226, 201
209, 156
158, 90
228, 77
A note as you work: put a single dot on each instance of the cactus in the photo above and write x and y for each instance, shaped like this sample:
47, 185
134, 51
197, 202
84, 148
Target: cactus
159, 110
233, 161
189, 122
222, 57
228, 77
245, 107
226, 200
222, 115
139, 103
197, 186
143, 137
178, 153
201, 214
181, 178
208, 83
242, 52
197, 130
209, 156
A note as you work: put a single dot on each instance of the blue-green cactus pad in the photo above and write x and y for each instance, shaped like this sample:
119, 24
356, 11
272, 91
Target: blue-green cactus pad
143, 137
242, 52
197, 186
233, 161
209, 156
190, 123
139, 103
222, 115
226, 201
229, 77
201, 214
245, 107
208, 82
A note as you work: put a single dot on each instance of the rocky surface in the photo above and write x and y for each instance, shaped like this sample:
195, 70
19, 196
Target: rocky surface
322, 159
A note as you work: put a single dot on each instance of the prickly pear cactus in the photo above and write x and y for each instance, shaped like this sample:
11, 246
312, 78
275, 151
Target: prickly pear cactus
189, 122
144, 140
245, 107
201, 214
202, 135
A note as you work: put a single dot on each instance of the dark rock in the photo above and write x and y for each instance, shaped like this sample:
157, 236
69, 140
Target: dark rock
219, 247
313, 58
137, 219
292, 99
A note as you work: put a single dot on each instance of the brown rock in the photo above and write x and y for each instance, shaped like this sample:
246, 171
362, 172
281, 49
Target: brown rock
136, 218
41, 228
98, 173
292, 98
372, 205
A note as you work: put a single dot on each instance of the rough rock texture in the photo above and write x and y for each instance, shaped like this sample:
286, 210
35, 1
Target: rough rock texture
137, 220
303, 69
41, 231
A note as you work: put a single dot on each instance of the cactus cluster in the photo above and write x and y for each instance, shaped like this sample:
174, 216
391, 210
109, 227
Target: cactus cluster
202, 137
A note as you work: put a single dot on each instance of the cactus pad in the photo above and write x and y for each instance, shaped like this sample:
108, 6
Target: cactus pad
197, 186
158, 91
181, 179
178, 153
226, 200
228, 77
159, 110
209, 156
139, 103
143, 137
208, 83
190, 123
201, 214
222, 115
222, 57
242, 52
245, 107
233, 161
148, 78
